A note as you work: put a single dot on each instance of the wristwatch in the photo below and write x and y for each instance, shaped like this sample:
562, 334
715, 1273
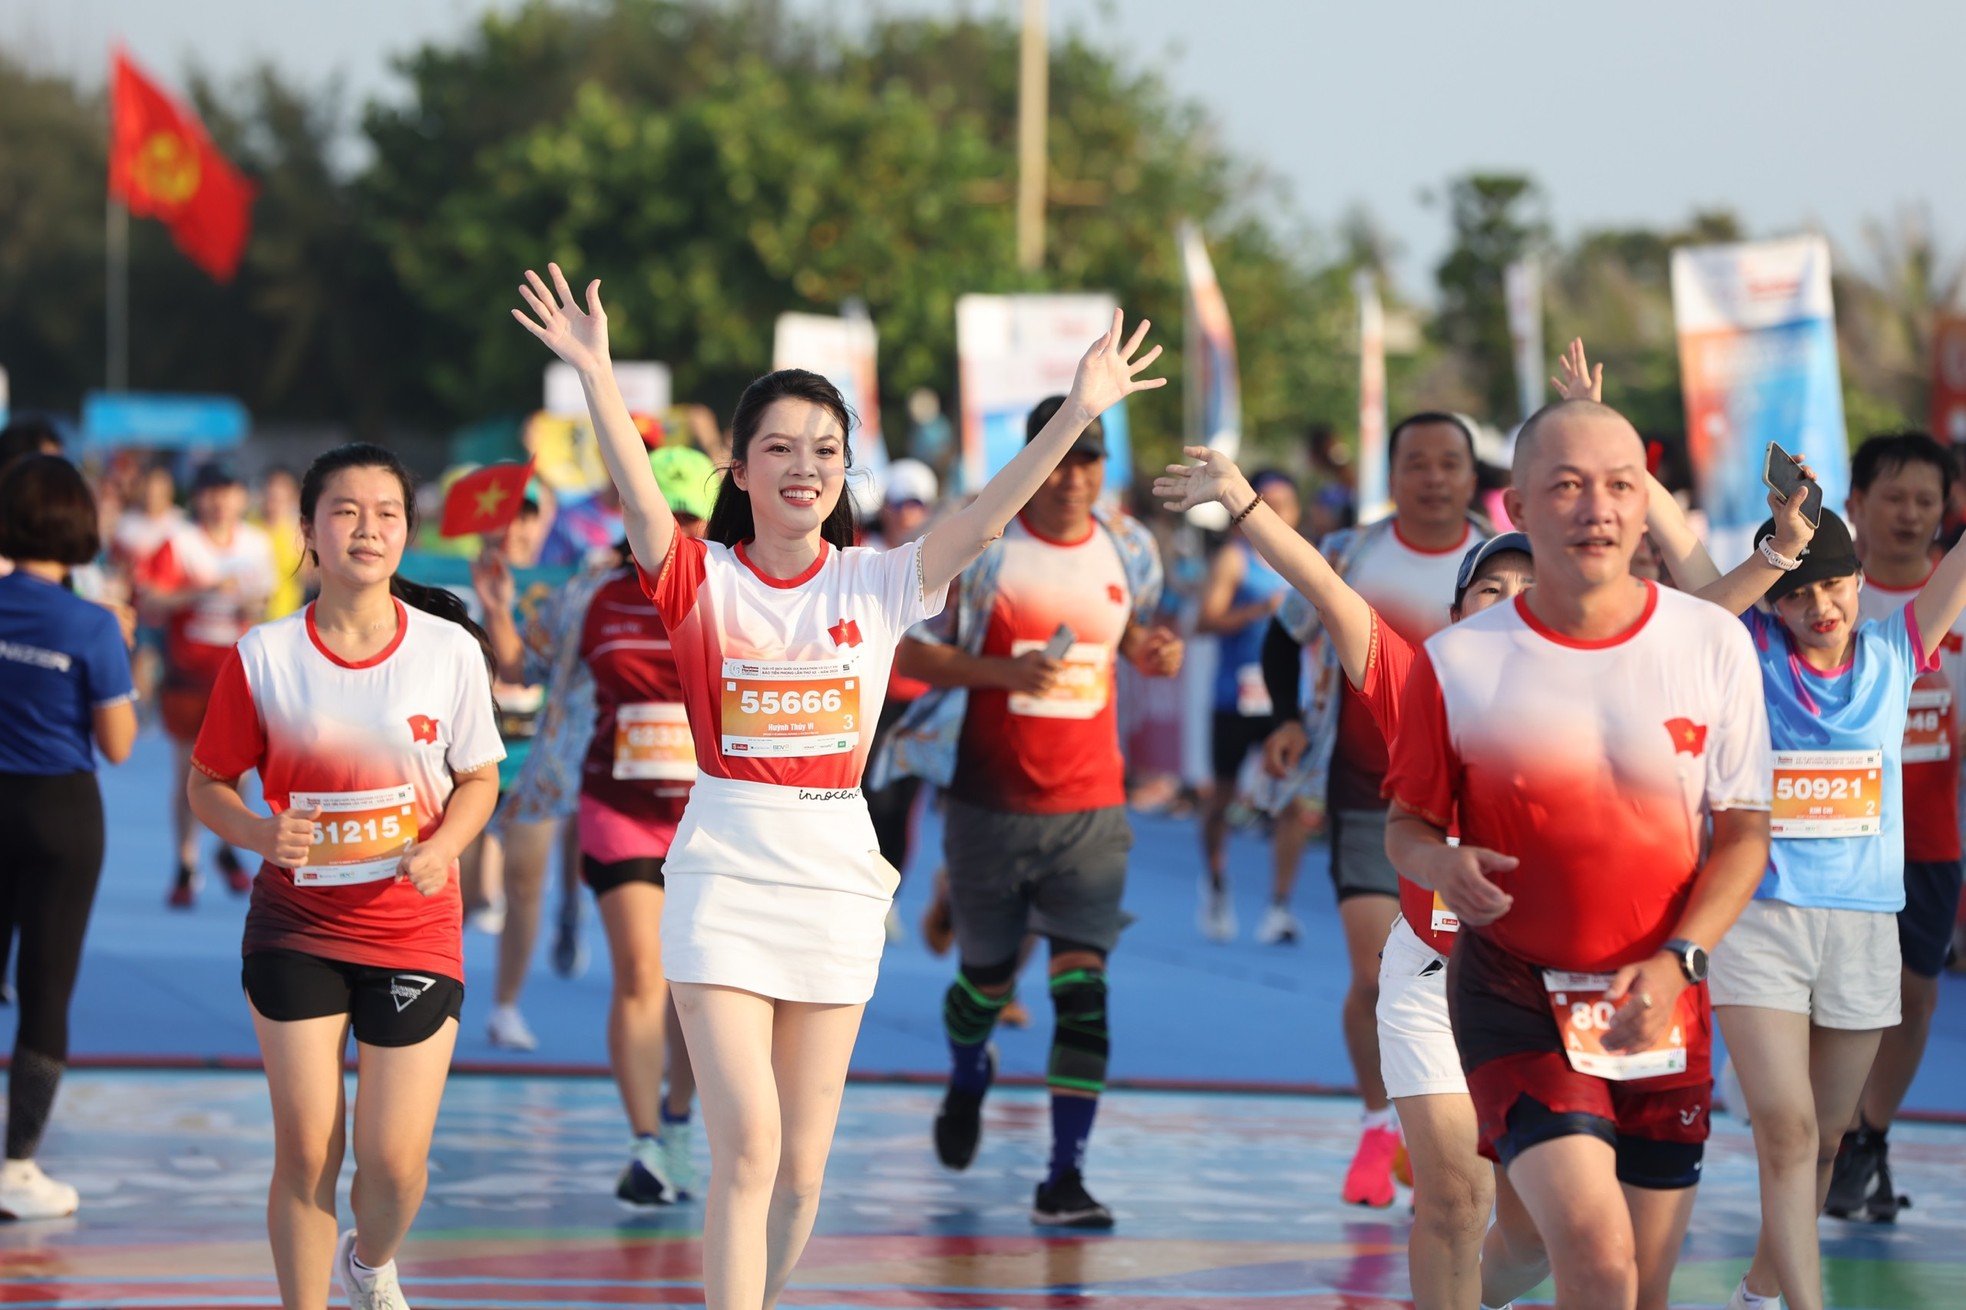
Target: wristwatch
1692, 958
1777, 559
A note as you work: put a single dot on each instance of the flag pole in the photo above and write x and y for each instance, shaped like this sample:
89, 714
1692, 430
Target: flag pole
116, 243
1033, 114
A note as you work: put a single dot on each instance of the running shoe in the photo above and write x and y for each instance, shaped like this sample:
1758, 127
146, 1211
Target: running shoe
1216, 916
677, 1165
1369, 1181
488, 919
643, 1183
509, 1030
236, 877
373, 1289
27, 1193
184, 889
569, 951
959, 1123
1746, 1300
1860, 1181
1066, 1204
1279, 927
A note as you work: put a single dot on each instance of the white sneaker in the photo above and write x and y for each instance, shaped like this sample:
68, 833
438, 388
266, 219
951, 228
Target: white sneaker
509, 1031
1746, 1300
27, 1193
1216, 916
1279, 927
376, 1289
677, 1165
487, 919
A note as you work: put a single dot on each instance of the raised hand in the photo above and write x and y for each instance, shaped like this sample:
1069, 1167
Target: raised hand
1212, 477
1109, 373
1579, 380
491, 578
578, 336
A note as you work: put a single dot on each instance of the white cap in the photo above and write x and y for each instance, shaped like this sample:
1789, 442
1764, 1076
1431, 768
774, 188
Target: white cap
910, 479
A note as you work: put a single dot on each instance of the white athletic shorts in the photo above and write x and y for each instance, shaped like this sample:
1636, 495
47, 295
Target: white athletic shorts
1839, 967
776, 890
1417, 1055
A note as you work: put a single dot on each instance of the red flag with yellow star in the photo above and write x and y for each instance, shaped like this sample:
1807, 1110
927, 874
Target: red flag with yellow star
485, 500
163, 166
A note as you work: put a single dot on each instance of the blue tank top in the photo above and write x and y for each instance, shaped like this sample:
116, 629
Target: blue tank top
1239, 668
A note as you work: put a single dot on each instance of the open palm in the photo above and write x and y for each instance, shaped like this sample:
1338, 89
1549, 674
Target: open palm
1109, 373
578, 336
1185, 486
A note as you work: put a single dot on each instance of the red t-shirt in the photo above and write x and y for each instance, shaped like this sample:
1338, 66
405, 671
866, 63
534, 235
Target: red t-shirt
200, 635
1058, 753
641, 759
376, 745
1595, 764
1931, 746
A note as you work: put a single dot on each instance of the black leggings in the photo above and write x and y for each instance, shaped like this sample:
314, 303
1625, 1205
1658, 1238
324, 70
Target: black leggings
50, 862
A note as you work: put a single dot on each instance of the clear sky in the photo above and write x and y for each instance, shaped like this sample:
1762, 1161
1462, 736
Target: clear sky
1795, 113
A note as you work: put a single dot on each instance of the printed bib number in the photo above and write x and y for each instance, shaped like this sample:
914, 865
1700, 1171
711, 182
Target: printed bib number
1444, 919
1252, 696
784, 708
1083, 685
651, 740
1928, 728
1583, 1016
1827, 794
360, 836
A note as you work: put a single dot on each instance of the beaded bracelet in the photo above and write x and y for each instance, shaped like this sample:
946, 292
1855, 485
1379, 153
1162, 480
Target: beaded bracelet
1253, 503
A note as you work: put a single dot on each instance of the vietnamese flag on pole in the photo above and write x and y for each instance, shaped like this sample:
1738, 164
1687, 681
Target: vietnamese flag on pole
485, 500
163, 166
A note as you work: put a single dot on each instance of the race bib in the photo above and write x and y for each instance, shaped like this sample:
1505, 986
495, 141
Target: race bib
1827, 794
1252, 695
1928, 728
789, 708
652, 741
1583, 1016
1084, 685
360, 836
1444, 919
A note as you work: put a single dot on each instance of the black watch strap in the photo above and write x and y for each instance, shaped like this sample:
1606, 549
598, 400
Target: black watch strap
1692, 958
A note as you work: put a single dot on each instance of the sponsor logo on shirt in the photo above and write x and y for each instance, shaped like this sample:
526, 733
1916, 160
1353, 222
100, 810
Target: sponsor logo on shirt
423, 728
1688, 737
830, 794
845, 633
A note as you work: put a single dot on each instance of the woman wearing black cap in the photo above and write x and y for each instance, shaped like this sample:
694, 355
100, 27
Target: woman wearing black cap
225, 568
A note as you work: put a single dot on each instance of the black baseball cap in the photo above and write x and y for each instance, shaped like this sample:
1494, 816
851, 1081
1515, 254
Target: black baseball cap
1471, 562
213, 475
1091, 442
1831, 554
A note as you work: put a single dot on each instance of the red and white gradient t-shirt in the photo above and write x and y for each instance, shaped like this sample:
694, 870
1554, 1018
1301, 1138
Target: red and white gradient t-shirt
1931, 747
641, 759
200, 634
1412, 590
784, 677
1057, 753
375, 744
1595, 764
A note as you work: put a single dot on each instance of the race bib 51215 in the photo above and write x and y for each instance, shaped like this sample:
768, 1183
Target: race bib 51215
359, 837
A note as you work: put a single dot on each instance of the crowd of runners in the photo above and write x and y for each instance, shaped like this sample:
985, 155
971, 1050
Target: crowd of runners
1577, 814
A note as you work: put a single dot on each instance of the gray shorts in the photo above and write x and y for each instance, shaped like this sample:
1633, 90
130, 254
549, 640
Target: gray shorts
1058, 875
1359, 866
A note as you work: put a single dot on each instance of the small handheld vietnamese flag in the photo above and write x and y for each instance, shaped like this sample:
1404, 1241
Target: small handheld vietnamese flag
485, 500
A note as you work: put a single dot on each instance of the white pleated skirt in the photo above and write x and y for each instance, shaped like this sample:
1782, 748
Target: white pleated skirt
776, 890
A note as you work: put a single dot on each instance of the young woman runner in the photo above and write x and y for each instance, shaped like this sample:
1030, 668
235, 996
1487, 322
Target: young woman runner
369, 718
784, 636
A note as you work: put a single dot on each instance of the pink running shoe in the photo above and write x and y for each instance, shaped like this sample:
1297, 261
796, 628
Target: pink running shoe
1370, 1179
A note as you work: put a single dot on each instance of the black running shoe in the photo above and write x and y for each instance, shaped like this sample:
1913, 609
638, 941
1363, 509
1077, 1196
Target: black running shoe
1860, 1181
959, 1123
642, 1183
1066, 1204
234, 873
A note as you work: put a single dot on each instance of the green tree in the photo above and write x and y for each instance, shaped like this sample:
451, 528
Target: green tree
1497, 218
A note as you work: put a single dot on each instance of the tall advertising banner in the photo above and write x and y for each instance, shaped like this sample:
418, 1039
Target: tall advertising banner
1374, 502
844, 351
1949, 378
1013, 351
1522, 289
1213, 385
1757, 363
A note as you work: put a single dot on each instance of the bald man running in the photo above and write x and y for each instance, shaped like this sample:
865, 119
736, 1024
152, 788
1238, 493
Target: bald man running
1593, 738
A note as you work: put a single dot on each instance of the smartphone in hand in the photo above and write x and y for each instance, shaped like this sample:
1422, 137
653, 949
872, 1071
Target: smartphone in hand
1061, 642
1783, 476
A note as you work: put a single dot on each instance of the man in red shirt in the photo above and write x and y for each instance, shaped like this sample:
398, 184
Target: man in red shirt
1037, 837
1592, 739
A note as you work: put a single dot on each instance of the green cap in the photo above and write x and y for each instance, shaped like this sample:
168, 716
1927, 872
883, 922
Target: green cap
687, 478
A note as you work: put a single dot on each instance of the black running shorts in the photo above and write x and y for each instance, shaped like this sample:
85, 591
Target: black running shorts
386, 1007
604, 878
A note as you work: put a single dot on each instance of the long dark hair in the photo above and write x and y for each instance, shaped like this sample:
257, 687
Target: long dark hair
731, 520
431, 600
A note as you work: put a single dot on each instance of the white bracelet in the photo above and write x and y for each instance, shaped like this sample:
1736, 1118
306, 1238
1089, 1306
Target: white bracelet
1779, 560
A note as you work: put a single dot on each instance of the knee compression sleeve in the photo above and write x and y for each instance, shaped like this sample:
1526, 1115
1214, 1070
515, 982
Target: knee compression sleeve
968, 1015
1080, 1042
